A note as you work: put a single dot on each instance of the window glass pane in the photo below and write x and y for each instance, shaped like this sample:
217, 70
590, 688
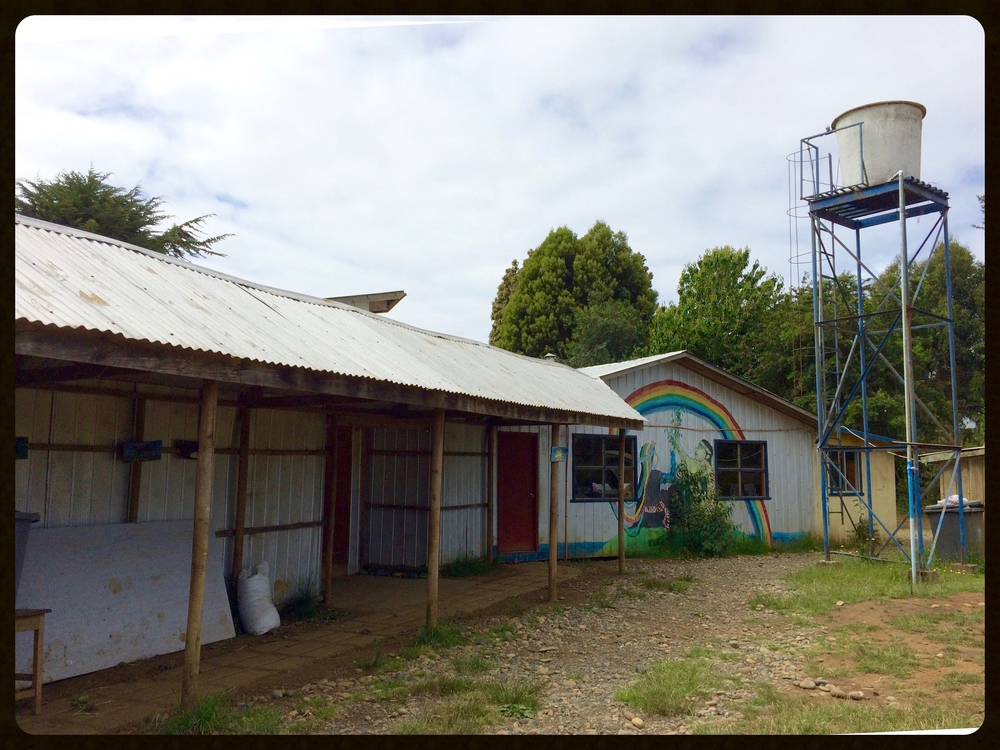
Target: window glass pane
587, 450
629, 452
728, 456
728, 483
752, 483
587, 483
752, 455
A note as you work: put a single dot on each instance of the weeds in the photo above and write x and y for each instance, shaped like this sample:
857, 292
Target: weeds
668, 687
442, 635
817, 589
471, 665
896, 659
81, 705
773, 712
955, 680
213, 714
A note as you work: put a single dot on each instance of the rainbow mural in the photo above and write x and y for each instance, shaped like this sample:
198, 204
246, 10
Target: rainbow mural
670, 395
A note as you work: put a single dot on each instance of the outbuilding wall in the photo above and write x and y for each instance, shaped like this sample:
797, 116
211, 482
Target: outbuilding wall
89, 484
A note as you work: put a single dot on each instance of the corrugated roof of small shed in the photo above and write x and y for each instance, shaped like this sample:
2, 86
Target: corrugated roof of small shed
73, 279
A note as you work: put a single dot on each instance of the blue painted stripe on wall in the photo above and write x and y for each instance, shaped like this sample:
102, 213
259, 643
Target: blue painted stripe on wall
576, 550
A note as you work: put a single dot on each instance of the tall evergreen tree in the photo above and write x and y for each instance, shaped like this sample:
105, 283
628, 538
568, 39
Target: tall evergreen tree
568, 282
89, 202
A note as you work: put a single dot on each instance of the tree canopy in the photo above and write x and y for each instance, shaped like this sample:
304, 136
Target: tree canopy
723, 312
89, 202
580, 298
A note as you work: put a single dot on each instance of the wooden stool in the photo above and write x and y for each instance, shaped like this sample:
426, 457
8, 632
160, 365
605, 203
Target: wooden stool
32, 619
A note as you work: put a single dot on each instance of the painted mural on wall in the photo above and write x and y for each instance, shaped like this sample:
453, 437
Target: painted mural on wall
687, 421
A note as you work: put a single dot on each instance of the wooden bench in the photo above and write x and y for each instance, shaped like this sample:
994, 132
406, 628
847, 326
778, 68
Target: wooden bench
24, 620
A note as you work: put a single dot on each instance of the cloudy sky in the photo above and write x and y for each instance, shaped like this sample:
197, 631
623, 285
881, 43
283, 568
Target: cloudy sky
354, 155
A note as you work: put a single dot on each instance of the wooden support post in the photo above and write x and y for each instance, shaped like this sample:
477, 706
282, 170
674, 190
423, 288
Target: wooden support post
434, 525
199, 546
242, 470
553, 512
135, 468
491, 449
621, 501
330, 501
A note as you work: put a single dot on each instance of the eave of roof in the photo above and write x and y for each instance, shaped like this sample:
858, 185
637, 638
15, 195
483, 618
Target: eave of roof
148, 298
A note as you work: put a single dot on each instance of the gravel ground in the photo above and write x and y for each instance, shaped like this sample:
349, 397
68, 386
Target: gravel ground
583, 654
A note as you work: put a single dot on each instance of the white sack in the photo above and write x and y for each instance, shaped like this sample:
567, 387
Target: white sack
253, 600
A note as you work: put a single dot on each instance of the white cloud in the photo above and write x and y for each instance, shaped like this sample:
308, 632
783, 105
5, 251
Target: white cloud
349, 156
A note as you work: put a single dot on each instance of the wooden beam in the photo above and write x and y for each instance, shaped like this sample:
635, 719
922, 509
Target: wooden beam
251, 530
44, 375
434, 523
115, 351
199, 545
135, 468
621, 500
491, 450
329, 506
553, 512
240, 512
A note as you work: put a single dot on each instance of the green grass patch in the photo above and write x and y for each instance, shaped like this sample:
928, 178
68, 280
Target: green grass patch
957, 680
476, 706
668, 687
772, 711
817, 589
214, 714
442, 635
896, 659
951, 628
380, 662
744, 544
441, 685
804, 543
506, 632
471, 665
513, 693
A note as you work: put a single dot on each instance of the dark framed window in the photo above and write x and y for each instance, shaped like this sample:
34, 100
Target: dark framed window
849, 477
741, 469
595, 468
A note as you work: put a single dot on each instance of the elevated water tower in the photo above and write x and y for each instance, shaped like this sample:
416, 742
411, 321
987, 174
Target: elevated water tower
864, 328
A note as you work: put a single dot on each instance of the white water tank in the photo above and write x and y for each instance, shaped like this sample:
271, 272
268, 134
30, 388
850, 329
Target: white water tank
889, 137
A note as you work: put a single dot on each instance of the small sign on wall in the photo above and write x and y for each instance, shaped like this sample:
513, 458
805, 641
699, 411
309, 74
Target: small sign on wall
559, 453
149, 450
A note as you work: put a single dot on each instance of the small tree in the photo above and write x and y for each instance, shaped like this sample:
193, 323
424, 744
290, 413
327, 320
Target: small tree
702, 519
89, 202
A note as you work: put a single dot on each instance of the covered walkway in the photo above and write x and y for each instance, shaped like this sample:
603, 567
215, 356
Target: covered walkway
378, 608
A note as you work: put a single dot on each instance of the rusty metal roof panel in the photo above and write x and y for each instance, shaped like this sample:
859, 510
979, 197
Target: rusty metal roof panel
73, 279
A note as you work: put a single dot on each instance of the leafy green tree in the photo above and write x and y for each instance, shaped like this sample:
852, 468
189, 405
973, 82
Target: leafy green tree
606, 330
507, 286
982, 208
562, 278
722, 314
89, 202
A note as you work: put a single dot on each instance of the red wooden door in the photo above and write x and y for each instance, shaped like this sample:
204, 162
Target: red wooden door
517, 492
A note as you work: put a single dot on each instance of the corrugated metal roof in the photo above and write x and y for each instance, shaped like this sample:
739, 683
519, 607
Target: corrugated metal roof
72, 279
709, 370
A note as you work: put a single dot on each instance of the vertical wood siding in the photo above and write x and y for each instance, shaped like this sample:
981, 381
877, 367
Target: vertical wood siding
397, 496
71, 488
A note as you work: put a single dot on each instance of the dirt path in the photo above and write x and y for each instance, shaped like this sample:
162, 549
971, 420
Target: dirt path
607, 630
